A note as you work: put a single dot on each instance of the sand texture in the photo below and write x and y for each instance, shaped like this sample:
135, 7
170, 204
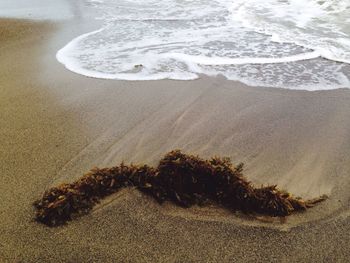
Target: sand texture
56, 125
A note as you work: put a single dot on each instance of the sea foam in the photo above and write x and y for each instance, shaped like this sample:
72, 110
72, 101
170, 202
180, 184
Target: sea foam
274, 44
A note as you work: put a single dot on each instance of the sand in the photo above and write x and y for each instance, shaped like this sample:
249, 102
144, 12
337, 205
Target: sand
55, 125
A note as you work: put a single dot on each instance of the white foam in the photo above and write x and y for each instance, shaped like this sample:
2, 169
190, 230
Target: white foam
317, 25
150, 40
203, 60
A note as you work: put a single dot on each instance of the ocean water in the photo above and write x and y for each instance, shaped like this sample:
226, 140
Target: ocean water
295, 44
39, 9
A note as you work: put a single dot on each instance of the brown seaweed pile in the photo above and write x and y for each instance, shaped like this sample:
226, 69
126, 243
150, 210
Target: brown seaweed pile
183, 179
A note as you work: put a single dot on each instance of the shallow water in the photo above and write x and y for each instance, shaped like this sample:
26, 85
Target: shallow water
294, 44
39, 9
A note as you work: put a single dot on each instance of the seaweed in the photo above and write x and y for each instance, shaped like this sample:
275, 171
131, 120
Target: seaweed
181, 178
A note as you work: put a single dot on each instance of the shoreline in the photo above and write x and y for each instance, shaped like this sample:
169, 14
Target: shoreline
57, 125
310, 70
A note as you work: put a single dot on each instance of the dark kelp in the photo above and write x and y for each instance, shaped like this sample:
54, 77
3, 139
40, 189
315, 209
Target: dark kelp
183, 179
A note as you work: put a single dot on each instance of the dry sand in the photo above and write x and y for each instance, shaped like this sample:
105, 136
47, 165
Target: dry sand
56, 125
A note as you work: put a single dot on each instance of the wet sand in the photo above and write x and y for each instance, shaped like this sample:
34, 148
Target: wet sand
56, 125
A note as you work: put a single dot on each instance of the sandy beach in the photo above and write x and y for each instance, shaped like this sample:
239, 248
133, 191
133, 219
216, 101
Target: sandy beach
56, 125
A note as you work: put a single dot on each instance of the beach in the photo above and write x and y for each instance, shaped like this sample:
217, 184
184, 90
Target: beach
56, 125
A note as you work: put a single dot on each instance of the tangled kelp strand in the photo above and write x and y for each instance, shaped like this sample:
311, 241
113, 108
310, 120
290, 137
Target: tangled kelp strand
183, 179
